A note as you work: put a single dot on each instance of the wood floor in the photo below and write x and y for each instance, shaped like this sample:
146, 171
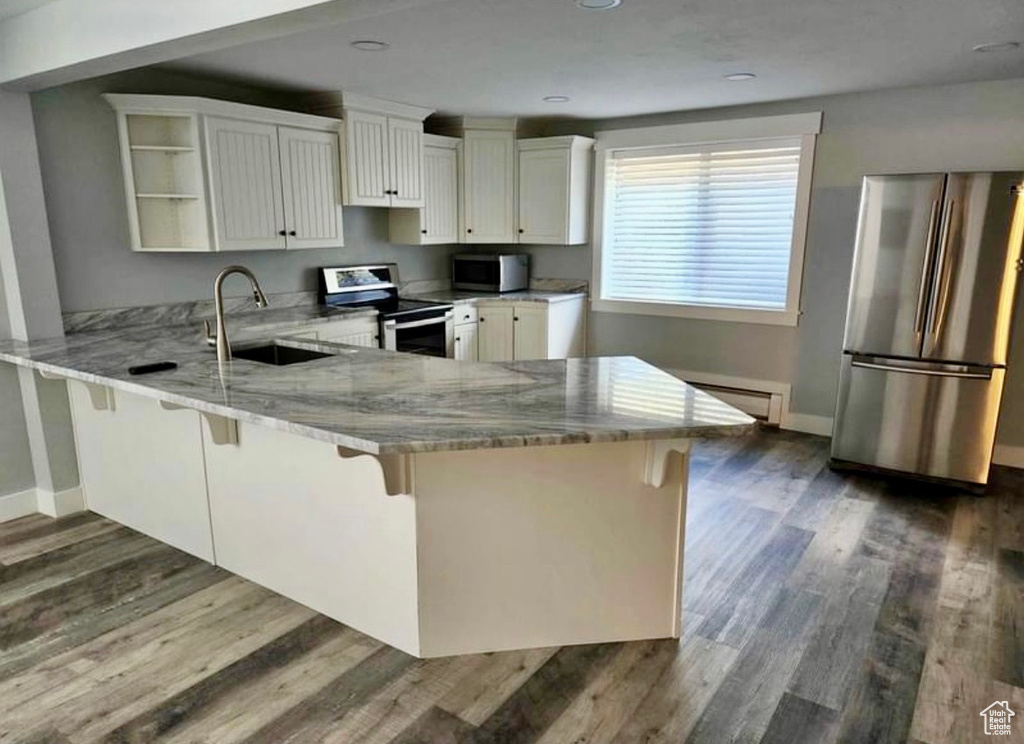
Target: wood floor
818, 608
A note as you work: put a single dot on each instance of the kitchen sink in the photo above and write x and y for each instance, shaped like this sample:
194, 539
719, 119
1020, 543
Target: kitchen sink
278, 354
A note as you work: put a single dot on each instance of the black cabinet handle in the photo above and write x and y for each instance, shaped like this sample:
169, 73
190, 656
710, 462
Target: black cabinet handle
423, 231
522, 230
292, 233
469, 229
281, 233
482, 319
516, 319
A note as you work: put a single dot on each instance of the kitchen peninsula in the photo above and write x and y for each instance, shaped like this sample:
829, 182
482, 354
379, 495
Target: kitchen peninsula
443, 507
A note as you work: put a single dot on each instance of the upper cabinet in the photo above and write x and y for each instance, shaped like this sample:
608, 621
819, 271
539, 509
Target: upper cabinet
554, 189
384, 152
489, 192
274, 177
438, 221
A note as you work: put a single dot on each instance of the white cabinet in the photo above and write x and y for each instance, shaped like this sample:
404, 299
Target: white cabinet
554, 188
383, 152
245, 172
467, 337
438, 221
489, 186
362, 331
206, 175
496, 335
311, 182
530, 332
522, 331
273, 187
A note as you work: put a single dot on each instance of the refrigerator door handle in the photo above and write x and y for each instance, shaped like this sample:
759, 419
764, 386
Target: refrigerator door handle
986, 375
926, 269
940, 290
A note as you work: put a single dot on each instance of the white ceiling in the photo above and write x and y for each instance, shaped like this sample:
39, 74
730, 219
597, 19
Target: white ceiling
11, 8
501, 57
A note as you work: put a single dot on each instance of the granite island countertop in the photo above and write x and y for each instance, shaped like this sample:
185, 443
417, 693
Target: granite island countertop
383, 402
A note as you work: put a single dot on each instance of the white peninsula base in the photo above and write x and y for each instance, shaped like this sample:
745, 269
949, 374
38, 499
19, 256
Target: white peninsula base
434, 553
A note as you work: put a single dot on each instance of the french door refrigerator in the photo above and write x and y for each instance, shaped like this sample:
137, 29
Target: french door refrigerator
924, 355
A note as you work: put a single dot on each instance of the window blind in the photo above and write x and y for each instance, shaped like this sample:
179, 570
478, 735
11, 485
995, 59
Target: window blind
710, 227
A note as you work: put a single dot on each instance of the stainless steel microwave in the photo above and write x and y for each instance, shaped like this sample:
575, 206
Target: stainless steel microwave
491, 272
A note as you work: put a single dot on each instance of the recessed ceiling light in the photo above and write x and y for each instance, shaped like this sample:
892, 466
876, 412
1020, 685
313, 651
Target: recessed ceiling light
738, 76
366, 45
598, 4
556, 99
999, 46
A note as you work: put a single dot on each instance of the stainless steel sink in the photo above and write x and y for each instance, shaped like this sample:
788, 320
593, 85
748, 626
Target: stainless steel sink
278, 354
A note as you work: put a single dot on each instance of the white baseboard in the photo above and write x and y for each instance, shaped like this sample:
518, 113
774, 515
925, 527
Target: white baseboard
1010, 456
17, 505
809, 424
41, 501
61, 503
778, 391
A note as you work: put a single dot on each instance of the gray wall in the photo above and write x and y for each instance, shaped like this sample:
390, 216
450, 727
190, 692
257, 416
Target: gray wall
77, 137
15, 456
977, 126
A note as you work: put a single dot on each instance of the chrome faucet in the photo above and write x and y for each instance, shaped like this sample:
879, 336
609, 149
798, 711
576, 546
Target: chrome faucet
221, 339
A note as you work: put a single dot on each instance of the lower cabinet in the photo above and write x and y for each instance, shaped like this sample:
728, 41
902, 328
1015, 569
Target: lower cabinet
531, 330
142, 465
467, 348
354, 332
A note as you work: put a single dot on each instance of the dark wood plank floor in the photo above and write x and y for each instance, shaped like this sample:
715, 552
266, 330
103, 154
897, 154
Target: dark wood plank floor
818, 608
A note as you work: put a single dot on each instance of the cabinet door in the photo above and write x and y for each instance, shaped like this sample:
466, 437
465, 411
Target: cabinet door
530, 324
355, 332
544, 196
440, 217
495, 340
245, 174
405, 156
367, 170
467, 342
311, 179
489, 187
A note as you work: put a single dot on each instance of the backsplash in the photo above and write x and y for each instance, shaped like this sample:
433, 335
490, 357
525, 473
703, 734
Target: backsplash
195, 312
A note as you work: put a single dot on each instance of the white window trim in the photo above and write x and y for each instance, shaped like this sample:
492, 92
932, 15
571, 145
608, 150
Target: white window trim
805, 126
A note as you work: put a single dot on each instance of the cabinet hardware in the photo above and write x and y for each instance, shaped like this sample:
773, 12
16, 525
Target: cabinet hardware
482, 319
292, 233
469, 229
458, 338
282, 233
521, 230
423, 231
516, 319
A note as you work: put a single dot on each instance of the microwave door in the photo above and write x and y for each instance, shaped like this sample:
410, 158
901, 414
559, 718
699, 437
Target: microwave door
976, 274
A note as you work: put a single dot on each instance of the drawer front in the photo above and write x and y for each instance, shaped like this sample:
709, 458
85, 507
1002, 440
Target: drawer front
466, 313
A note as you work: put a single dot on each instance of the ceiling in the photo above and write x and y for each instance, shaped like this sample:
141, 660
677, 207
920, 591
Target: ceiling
11, 8
501, 57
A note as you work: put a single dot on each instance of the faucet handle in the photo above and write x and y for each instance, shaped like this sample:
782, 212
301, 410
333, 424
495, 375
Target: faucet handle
211, 339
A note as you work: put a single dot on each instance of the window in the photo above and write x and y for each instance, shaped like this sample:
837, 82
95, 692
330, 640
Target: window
709, 230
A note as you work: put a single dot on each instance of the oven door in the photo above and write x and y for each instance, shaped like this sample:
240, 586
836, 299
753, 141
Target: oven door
429, 336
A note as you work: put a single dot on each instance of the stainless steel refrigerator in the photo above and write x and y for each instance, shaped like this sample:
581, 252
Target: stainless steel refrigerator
927, 328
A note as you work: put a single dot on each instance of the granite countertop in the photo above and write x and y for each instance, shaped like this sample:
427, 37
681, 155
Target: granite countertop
381, 402
458, 296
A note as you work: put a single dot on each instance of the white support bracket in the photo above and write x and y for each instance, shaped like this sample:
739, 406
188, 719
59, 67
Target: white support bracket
102, 397
657, 457
223, 430
397, 470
